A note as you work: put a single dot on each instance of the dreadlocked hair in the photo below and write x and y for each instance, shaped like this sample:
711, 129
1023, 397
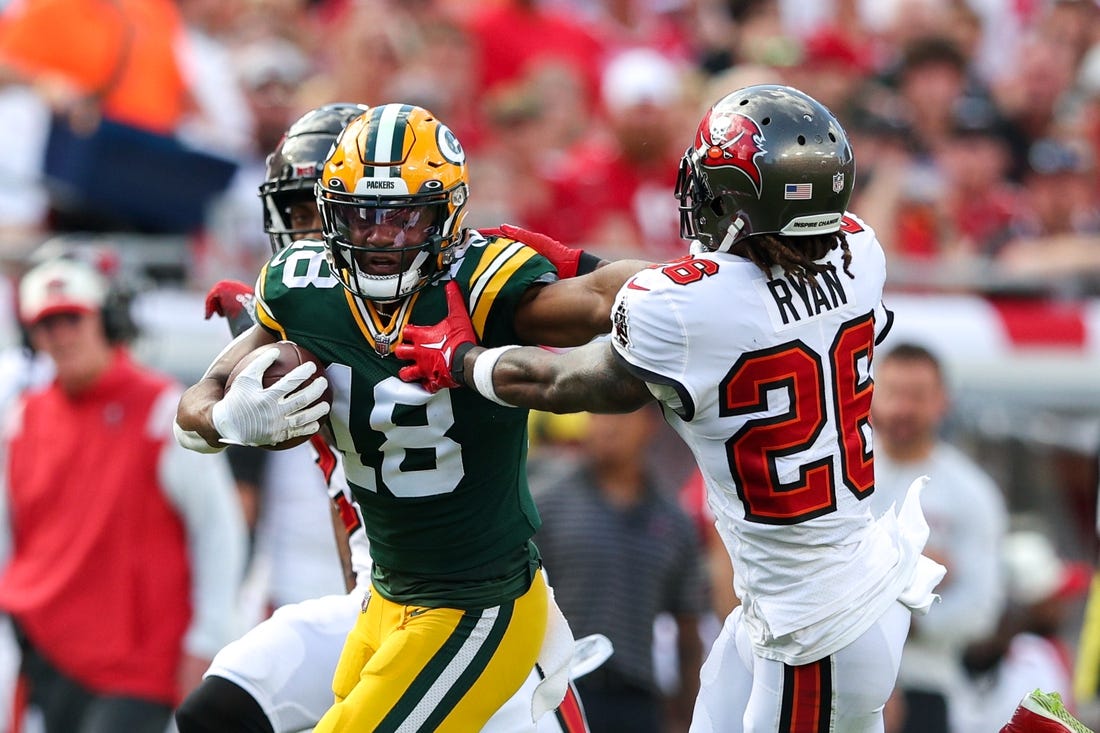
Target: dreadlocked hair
796, 256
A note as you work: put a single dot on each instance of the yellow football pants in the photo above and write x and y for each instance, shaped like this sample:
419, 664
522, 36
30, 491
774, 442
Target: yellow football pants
409, 668
1086, 678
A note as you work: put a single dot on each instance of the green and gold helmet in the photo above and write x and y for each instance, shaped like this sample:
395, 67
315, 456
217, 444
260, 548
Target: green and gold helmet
392, 196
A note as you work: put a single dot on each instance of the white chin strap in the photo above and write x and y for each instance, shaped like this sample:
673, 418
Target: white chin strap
732, 231
391, 287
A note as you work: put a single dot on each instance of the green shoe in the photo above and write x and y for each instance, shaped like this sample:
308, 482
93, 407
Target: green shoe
1043, 712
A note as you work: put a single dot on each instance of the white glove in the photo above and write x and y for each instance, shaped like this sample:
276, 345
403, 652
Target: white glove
191, 440
250, 414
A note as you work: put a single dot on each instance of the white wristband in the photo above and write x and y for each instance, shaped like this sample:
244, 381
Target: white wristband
483, 373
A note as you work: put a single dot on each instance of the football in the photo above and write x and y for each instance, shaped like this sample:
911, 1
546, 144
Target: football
290, 356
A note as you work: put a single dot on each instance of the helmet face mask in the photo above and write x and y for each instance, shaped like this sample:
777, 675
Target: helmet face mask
765, 160
286, 220
294, 167
392, 197
695, 199
385, 248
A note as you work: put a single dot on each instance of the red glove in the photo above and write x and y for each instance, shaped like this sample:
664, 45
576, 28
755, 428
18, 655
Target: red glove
232, 300
565, 259
227, 298
437, 351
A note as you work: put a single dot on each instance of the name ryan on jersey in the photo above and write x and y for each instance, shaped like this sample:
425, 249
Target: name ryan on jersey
797, 301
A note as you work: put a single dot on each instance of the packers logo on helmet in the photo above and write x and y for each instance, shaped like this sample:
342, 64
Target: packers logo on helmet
393, 195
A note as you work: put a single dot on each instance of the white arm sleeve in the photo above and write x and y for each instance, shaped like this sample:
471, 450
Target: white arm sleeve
649, 335
200, 487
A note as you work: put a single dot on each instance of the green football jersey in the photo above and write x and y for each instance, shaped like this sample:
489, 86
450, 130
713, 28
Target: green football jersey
440, 478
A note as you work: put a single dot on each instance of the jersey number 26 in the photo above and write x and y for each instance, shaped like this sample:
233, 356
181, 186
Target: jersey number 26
755, 449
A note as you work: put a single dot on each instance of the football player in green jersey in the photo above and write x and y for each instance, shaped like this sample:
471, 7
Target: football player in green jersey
458, 610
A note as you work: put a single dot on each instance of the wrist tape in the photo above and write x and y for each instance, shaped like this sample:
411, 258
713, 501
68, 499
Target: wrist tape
458, 365
483, 373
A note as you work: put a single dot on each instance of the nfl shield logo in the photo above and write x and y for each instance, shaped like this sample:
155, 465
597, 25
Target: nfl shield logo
838, 182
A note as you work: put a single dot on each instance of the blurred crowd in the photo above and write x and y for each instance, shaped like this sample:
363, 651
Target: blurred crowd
975, 122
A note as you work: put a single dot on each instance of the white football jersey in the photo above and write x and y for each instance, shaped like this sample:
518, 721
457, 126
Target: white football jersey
331, 464
294, 557
771, 380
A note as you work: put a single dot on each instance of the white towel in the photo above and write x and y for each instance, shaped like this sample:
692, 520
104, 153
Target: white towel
555, 656
589, 652
918, 595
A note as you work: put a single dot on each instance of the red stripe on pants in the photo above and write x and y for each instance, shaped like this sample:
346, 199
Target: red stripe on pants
571, 714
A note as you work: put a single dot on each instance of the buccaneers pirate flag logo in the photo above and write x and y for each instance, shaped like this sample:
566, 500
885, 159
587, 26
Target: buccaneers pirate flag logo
730, 140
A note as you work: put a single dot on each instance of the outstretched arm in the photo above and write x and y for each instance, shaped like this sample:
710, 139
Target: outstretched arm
577, 308
573, 311
590, 378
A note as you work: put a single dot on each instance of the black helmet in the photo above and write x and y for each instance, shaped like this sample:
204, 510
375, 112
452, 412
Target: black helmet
295, 165
766, 159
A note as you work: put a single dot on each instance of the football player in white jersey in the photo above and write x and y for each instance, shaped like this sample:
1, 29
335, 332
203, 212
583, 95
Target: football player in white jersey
759, 348
277, 678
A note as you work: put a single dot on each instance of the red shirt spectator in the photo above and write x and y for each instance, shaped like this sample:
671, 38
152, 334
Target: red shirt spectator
615, 190
516, 36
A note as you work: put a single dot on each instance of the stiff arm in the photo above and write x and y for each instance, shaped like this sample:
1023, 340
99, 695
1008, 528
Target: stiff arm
572, 311
590, 378
565, 313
